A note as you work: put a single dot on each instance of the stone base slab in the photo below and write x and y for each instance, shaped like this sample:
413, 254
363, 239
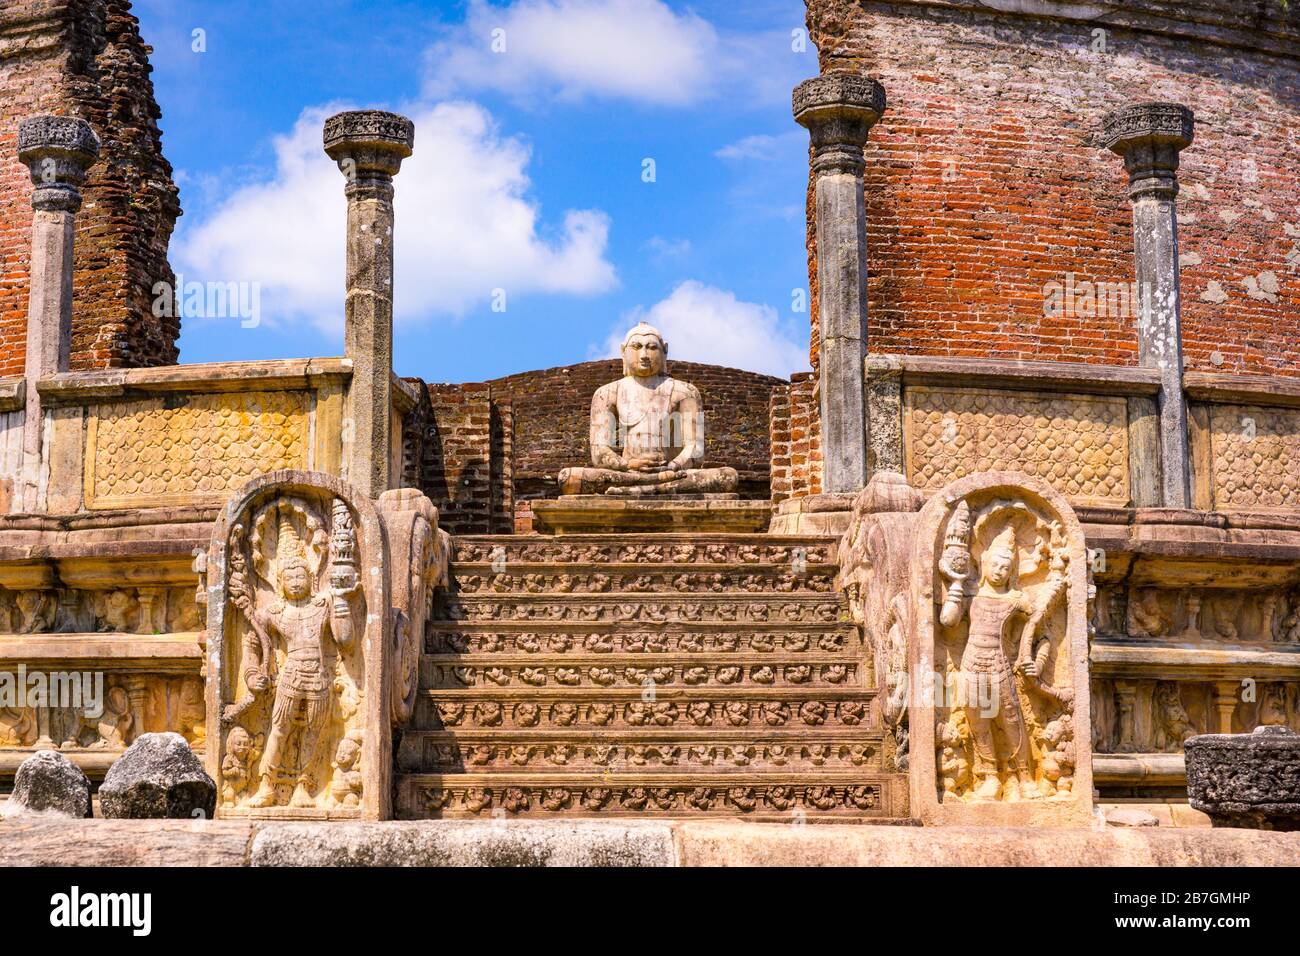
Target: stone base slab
602, 514
827, 515
599, 843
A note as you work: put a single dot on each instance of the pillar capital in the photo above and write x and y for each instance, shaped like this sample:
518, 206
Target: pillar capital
59, 151
1149, 136
369, 145
838, 110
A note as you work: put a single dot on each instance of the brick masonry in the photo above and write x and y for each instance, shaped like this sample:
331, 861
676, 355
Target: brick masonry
796, 439
86, 58
985, 181
492, 446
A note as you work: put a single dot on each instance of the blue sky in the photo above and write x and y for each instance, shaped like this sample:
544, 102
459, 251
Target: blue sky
527, 186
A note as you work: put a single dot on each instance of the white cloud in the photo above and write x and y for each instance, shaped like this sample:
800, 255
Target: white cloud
703, 323
633, 49
465, 226
665, 249
765, 148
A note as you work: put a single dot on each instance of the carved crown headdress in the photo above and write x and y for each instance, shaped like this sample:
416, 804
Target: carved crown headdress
283, 530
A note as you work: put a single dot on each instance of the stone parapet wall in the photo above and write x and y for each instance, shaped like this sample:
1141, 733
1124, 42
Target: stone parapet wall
986, 182
188, 435
85, 58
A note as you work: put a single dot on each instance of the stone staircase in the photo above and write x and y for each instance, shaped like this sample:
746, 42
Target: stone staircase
709, 675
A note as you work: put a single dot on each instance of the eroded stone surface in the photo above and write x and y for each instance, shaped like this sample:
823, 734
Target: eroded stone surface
159, 776
1246, 780
49, 784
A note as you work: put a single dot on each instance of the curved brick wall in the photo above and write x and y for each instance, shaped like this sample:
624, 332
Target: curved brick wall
984, 182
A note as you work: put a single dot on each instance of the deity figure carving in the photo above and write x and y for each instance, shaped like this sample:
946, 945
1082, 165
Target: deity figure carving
998, 661
647, 431
294, 600
998, 609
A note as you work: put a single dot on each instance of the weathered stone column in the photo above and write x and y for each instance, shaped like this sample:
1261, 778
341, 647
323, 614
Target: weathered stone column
839, 110
369, 147
59, 151
1149, 136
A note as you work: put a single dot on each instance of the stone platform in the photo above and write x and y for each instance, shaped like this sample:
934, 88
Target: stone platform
610, 514
666, 843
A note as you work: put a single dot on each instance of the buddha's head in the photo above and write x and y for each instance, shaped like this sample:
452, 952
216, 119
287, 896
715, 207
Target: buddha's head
645, 353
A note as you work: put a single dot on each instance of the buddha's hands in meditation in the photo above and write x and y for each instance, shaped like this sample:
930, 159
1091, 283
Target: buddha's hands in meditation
646, 464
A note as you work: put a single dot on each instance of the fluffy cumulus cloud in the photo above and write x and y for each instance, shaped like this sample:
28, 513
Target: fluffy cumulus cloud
703, 323
633, 49
466, 226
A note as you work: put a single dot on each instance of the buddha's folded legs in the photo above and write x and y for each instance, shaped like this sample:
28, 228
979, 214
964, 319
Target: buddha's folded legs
597, 481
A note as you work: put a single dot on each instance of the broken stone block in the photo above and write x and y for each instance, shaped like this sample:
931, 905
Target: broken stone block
1246, 780
1131, 817
49, 784
159, 776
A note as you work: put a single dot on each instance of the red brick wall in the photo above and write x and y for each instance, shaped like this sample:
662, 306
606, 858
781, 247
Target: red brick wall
85, 58
984, 181
795, 439
457, 457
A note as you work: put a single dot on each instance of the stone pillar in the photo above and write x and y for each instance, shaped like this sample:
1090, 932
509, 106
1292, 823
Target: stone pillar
59, 151
1149, 136
838, 110
369, 147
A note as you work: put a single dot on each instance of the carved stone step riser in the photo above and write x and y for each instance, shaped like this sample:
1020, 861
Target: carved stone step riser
697, 550
558, 646
794, 798
660, 674
783, 609
437, 755
553, 579
730, 714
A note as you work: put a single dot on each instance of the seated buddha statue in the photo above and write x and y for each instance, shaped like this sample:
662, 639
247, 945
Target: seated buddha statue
647, 431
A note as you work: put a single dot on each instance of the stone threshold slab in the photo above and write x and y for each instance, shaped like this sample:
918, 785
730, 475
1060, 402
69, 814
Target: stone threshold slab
600, 514
666, 843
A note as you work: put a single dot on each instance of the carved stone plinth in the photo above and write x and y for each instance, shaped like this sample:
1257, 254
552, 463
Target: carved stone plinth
1246, 780
998, 661
584, 514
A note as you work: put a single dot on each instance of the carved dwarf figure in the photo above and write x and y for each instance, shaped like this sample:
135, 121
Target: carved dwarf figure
235, 765
35, 612
954, 759
1058, 754
1175, 724
345, 786
656, 421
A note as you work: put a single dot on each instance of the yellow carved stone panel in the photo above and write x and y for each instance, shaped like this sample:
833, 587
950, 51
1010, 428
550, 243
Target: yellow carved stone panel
1256, 455
1078, 444
203, 447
